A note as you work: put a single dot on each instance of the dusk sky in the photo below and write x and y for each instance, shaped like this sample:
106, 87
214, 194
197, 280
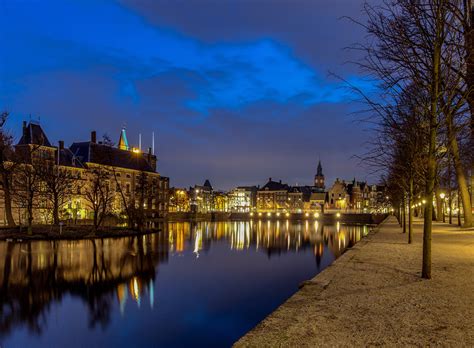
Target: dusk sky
235, 91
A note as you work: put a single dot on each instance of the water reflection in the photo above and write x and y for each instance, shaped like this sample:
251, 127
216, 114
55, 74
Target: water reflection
107, 273
34, 274
271, 237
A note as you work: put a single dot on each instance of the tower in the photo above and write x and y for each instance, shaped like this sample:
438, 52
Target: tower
123, 142
319, 177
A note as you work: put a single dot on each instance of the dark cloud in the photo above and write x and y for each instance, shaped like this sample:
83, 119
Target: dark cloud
236, 91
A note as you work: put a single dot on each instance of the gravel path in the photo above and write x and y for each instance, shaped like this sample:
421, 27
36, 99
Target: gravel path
373, 295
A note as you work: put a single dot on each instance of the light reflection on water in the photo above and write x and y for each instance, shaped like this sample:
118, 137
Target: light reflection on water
194, 283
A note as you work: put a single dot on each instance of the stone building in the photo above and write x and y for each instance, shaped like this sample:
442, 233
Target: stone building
273, 196
128, 169
243, 199
202, 198
338, 197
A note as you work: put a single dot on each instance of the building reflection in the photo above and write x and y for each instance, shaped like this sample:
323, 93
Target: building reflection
34, 275
271, 237
114, 273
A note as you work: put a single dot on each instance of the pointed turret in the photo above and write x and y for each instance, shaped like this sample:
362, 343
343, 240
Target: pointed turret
319, 171
319, 177
123, 142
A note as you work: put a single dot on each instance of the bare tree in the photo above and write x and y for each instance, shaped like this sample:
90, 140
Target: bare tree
58, 181
404, 52
7, 166
98, 194
27, 185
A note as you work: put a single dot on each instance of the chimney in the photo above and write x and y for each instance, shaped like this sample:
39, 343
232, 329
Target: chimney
280, 181
61, 144
93, 137
25, 130
269, 179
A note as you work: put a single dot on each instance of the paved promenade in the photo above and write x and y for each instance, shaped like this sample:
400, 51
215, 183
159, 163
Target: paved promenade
373, 295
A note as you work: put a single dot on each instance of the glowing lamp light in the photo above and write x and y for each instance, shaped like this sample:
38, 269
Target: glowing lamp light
259, 214
442, 195
278, 214
251, 214
135, 150
269, 214
338, 215
316, 215
423, 201
287, 214
306, 214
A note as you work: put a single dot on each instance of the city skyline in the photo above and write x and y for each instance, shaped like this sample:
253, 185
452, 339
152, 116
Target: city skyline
219, 110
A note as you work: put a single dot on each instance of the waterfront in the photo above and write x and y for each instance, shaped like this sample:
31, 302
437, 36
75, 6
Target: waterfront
203, 284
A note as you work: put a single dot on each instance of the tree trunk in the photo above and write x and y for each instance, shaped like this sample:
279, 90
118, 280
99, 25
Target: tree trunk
30, 218
8, 200
439, 204
431, 171
96, 226
460, 173
410, 212
469, 47
459, 210
404, 214
55, 210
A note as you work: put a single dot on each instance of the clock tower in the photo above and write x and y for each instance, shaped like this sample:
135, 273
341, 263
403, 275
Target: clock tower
319, 177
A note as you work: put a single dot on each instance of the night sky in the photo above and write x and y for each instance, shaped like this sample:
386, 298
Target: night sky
235, 91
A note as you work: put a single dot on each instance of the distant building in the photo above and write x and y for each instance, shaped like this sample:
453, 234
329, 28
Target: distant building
338, 197
202, 198
273, 196
319, 178
242, 199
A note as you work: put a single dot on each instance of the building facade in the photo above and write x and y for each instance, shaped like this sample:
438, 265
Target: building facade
129, 178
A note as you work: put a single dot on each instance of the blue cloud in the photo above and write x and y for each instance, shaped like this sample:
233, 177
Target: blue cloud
107, 37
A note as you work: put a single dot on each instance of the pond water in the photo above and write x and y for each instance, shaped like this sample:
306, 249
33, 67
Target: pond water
200, 284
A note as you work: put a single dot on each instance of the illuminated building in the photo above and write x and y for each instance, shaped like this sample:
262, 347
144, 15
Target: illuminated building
273, 196
242, 199
127, 164
319, 178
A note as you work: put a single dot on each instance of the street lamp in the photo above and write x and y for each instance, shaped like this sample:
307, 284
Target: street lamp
442, 195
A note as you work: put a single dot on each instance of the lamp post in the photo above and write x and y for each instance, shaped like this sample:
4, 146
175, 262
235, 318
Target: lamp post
442, 195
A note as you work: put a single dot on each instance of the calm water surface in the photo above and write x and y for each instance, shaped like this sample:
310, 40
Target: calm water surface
203, 284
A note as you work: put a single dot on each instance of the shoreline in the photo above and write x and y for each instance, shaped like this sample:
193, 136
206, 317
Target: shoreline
51, 233
374, 295
79, 232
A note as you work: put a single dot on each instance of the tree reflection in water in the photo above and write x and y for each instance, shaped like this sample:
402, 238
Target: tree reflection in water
35, 275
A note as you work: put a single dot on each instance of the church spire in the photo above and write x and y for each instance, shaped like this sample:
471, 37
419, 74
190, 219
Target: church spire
319, 171
319, 177
123, 142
